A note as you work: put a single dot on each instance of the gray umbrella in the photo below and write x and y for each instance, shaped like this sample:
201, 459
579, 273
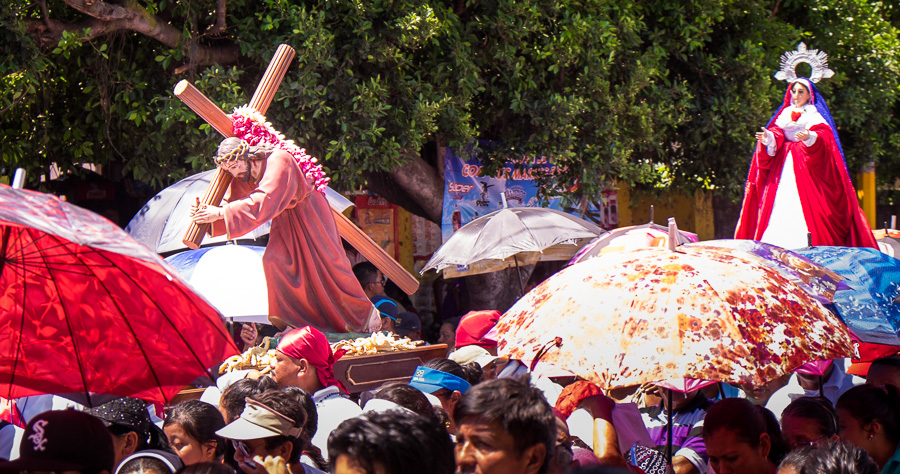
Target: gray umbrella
512, 237
162, 222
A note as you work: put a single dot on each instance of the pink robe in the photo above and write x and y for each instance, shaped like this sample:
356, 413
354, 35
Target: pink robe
308, 277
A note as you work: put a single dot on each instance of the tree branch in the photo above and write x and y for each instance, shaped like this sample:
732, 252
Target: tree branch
220, 18
107, 18
422, 183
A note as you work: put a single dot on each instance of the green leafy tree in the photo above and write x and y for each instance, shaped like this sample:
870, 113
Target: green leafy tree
659, 93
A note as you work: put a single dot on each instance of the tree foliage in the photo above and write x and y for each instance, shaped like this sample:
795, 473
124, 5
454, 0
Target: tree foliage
655, 93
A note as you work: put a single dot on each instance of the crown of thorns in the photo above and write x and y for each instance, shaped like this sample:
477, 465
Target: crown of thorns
241, 149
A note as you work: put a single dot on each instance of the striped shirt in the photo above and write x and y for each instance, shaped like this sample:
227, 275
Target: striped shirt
687, 430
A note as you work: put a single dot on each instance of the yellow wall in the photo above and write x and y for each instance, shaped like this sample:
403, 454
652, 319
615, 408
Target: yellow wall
693, 213
404, 238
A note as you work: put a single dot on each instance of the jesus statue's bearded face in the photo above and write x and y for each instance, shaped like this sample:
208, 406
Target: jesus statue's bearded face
238, 168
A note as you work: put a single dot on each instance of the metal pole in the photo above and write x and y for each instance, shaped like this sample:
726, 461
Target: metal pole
519, 276
669, 418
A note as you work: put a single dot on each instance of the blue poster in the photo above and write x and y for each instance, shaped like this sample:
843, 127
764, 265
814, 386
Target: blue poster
469, 193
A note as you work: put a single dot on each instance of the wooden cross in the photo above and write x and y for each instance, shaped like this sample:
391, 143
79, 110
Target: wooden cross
260, 102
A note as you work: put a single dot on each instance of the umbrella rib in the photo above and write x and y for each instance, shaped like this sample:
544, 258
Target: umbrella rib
166, 317
78, 360
6, 234
23, 257
128, 323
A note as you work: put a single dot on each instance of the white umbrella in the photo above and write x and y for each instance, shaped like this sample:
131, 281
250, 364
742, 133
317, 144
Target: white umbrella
230, 277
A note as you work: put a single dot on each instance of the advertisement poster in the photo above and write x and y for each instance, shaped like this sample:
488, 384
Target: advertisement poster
376, 217
469, 194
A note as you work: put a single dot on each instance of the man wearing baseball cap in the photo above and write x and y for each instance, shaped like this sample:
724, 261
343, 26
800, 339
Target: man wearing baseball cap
64, 440
304, 359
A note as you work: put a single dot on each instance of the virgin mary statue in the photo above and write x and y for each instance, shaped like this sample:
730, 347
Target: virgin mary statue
798, 191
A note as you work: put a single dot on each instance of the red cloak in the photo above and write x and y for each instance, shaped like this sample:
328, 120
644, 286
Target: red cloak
829, 202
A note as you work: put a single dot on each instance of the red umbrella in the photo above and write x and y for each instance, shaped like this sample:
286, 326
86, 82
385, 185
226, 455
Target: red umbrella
85, 308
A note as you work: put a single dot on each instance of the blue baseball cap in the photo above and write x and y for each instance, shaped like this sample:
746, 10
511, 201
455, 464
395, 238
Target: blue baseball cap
429, 381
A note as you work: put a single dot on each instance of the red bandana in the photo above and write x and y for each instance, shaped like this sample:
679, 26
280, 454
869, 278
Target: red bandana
310, 344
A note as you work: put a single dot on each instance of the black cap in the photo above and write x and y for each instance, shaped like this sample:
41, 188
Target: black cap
406, 323
128, 413
64, 440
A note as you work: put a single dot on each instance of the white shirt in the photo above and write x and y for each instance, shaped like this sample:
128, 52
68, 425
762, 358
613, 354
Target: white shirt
333, 407
837, 384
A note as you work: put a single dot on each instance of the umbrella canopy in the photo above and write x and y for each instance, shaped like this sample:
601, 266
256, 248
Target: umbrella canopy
512, 236
699, 312
162, 222
243, 297
871, 304
629, 238
84, 308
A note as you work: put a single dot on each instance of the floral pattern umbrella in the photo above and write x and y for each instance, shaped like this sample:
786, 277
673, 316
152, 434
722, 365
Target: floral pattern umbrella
700, 312
86, 309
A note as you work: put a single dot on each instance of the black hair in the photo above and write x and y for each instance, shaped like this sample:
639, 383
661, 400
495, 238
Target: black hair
518, 407
795, 459
407, 397
200, 421
817, 409
154, 438
310, 427
473, 372
206, 468
838, 458
454, 321
284, 403
892, 361
867, 403
233, 398
402, 442
365, 272
144, 466
447, 366
747, 421
145, 463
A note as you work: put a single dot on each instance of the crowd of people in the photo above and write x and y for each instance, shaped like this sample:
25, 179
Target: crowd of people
472, 412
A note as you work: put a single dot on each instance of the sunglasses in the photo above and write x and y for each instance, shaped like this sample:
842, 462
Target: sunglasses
245, 451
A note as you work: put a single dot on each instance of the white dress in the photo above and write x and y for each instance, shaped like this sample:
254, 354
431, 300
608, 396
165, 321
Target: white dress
787, 224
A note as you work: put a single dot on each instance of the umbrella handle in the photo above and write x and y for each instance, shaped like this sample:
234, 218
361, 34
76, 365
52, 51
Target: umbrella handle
556, 342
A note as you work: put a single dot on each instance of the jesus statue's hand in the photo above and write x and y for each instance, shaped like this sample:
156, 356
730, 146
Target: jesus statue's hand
205, 213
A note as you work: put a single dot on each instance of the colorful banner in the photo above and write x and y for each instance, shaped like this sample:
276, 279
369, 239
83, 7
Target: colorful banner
468, 193
377, 218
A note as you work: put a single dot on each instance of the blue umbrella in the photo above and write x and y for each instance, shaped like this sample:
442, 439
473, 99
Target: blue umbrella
871, 306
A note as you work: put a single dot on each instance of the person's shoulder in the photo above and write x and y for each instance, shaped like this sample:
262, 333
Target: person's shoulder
339, 404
